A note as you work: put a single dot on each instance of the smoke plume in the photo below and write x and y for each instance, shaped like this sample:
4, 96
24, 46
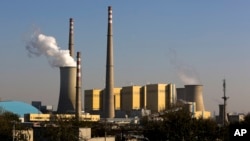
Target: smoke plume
42, 45
186, 73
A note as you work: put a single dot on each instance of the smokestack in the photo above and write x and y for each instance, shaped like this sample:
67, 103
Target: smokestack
78, 87
109, 94
71, 37
67, 95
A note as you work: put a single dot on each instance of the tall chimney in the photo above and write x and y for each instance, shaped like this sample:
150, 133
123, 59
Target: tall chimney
78, 87
71, 37
109, 89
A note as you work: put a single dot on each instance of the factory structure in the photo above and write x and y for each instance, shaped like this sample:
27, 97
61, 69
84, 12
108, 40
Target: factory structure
116, 102
131, 101
110, 102
70, 95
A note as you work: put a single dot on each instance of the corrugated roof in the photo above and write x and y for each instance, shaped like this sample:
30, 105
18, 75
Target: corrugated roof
18, 107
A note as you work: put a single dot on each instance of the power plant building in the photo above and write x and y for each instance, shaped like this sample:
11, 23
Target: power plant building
156, 97
170, 95
130, 98
92, 100
143, 97
117, 98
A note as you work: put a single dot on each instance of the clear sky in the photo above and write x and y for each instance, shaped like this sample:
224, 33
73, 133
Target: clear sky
154, 42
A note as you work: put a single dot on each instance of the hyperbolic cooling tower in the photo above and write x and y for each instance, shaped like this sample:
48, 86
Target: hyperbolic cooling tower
194, 93
109, 108
67, 97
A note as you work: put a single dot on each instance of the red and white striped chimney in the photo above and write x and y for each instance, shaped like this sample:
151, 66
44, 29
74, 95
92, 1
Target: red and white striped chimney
78, 86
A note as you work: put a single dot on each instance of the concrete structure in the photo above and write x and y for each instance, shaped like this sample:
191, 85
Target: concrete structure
143, 97
33, 117
33, 134
180, 93
102, 139
233, 117
117, 98
18, 107
78, 105
194, 93
192, 98
109, 107
92, 100
156, 97
71, 37
130, 98
42, 108
67, 96
170, 95
202, 114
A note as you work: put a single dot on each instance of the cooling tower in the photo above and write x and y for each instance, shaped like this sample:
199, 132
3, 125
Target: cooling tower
109, 108
67, 96
194, 93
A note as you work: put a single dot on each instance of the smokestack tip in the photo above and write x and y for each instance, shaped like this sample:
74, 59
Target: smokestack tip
109, 8
71, 19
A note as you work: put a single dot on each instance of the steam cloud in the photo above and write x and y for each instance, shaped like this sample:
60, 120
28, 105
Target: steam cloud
186, 73
40, 44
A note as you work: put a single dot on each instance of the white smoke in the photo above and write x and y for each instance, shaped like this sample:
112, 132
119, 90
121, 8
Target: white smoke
186, 73
40, 44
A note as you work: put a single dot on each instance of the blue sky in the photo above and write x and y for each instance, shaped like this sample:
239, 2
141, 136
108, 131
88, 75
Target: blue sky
153, 41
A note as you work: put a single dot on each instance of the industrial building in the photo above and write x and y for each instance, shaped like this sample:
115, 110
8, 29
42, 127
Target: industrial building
129, 100
36, 117
18, 107
156, 97
92, 100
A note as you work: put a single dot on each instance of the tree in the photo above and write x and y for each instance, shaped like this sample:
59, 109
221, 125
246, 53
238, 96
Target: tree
8, 122
178, 124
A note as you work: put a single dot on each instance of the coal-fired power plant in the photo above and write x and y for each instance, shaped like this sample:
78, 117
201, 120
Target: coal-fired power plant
67, 96
109, 108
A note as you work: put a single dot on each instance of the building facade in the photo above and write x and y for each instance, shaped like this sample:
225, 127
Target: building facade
130, 98
156, 97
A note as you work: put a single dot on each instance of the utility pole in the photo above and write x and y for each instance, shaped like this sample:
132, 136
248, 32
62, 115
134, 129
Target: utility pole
225, 120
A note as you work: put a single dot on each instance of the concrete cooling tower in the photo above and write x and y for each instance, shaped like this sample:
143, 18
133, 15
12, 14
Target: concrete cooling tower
194, 93
67, 97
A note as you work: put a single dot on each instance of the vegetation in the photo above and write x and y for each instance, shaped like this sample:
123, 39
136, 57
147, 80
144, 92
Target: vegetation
178, 125
9, 122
